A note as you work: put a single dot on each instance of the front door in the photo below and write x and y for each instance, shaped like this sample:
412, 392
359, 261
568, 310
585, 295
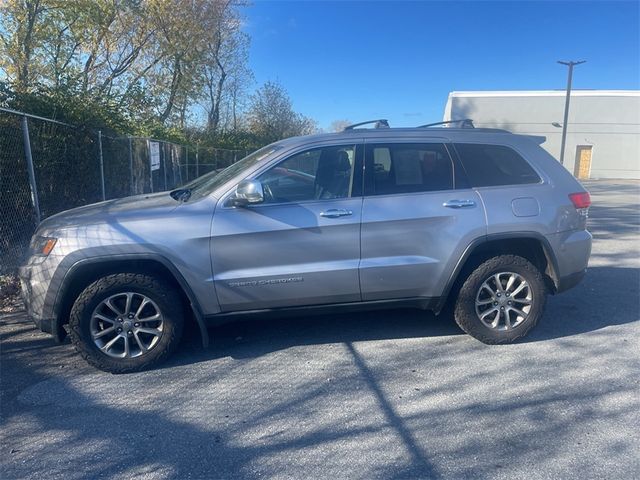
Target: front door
416, 223
301, 246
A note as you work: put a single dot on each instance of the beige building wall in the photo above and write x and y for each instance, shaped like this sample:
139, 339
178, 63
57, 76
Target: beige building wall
608, 121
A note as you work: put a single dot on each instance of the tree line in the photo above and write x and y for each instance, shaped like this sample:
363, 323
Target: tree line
176, 69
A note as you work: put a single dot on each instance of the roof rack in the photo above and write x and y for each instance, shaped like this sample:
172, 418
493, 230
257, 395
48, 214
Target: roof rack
464, 123
381, 123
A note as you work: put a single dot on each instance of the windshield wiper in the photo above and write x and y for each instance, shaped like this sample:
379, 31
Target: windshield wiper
181, 194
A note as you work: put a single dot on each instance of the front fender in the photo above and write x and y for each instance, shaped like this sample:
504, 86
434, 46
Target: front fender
85, 263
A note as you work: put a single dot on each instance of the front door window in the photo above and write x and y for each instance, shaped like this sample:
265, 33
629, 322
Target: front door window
317, 174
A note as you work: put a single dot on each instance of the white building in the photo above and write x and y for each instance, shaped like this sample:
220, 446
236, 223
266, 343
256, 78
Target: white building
603, 136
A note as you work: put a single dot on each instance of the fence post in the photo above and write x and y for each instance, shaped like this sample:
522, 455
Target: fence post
164, 164
101, 164
30, 169
131, 189
197, 170
150, 171
186, 163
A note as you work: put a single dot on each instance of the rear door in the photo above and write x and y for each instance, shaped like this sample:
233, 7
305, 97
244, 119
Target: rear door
416, 222
301, 246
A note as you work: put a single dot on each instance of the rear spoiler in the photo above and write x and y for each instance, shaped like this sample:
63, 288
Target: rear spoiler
539, 139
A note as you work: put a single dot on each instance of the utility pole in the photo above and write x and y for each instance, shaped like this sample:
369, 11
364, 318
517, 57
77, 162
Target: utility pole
570, 64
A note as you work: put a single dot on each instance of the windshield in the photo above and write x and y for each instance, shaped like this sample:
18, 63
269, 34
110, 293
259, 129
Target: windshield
208, 182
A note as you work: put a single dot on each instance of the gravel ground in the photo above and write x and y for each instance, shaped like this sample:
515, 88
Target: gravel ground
9, 294
393, 394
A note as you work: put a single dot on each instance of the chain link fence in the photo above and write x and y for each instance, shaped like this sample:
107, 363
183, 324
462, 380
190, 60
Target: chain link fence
47, 167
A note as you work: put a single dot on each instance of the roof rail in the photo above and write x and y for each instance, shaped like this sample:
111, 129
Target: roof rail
381, 123
464, 123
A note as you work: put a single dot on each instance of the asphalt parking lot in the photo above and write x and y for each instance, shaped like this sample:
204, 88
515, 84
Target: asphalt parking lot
393, 394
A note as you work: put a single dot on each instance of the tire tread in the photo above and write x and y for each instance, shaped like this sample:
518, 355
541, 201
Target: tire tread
96, 289
468, 320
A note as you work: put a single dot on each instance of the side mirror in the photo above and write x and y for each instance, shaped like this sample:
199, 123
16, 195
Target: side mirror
248, 191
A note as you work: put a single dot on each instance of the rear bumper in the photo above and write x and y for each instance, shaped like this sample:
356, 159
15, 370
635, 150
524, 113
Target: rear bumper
571, 251
570, 281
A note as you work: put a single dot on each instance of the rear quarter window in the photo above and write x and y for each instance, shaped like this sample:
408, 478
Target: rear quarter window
494, 165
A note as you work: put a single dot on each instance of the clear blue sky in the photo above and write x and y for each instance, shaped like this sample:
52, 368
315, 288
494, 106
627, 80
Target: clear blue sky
399, 60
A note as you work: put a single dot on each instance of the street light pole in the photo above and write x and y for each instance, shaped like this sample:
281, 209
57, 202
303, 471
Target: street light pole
570, 64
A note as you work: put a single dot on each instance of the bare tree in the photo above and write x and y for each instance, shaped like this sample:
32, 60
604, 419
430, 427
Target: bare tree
119, 50
20, 33
271, 115
224, 69
156, 59
339, 125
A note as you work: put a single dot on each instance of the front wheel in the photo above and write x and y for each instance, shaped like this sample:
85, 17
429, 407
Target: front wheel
126, 322
502, 300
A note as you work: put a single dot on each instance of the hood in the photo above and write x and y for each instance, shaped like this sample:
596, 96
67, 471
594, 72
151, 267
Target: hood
122, 209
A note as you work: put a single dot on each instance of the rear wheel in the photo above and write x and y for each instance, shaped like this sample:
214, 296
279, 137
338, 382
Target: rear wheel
502, 300
126, 322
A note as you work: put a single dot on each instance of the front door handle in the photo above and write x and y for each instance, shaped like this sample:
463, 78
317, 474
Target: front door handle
335, 213
459, 204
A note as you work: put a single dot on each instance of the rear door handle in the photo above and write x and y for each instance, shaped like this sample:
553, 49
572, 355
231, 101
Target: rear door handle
335, 213
459, 204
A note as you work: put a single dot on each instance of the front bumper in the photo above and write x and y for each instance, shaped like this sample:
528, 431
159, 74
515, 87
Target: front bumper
34, 286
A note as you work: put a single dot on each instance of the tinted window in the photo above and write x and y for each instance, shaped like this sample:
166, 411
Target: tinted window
317, 174
405, 168
490, 165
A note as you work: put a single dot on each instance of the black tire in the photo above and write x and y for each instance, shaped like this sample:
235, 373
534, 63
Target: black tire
465, 307
163, 294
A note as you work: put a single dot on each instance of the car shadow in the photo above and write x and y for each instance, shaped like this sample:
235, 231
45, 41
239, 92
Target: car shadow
252, 337
607, 296
586, 308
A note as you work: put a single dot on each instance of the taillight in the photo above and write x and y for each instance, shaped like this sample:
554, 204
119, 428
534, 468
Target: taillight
580, 200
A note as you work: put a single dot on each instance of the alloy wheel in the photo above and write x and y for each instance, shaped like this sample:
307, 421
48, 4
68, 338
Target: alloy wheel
126, 325
504, 301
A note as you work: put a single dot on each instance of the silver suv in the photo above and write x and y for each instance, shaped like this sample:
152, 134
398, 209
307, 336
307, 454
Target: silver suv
479, 221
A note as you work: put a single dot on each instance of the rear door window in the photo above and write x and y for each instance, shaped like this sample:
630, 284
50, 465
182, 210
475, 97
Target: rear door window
408, 168
494, 165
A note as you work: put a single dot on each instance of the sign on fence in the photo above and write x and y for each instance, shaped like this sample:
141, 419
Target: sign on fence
154, 154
